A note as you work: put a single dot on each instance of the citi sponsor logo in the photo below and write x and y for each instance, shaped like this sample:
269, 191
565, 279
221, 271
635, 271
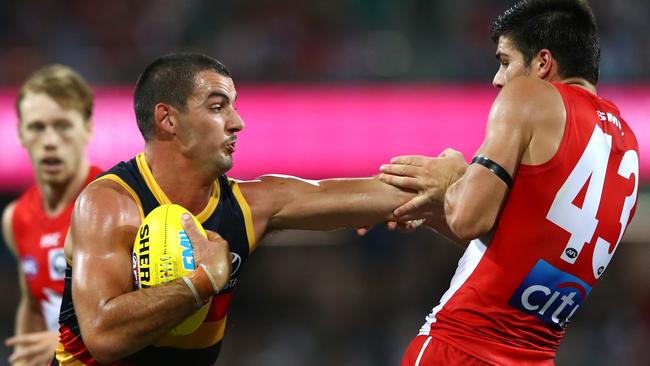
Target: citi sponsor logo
187, 254
549, 294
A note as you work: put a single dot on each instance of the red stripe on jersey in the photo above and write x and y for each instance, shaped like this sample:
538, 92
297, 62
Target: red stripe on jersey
219, 307
74, 345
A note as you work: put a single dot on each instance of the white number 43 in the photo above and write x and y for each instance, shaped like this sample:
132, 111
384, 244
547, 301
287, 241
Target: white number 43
581, 223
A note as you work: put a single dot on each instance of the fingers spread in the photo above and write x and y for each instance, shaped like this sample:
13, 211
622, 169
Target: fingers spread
20, 340
415, 160
22, 353
400, 169
401, 182
11, 341
411, 207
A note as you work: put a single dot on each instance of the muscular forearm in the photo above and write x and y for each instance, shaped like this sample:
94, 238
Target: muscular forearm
127, 323
438, 222
338, 203
471, 207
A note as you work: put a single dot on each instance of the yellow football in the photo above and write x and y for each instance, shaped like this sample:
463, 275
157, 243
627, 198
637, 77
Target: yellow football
162, 252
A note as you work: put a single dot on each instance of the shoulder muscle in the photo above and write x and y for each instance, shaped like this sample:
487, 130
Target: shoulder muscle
522, 109
102, 209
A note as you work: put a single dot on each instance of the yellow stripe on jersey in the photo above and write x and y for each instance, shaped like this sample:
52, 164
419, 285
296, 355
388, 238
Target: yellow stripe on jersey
66, 358
162, 198
206, 335
212, 203
151, 182
119, 181
246, 210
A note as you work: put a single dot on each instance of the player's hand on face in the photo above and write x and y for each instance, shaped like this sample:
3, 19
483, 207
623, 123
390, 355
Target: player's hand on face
212, 251
32, 349
428, 176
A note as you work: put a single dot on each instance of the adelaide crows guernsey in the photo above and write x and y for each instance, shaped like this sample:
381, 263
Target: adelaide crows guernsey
226, 213
39, 246
510, 301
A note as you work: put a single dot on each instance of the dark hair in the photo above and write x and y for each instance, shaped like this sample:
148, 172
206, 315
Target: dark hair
565, 27
69, 89
169, 79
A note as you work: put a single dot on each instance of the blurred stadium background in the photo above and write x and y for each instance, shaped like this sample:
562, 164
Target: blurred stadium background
333, 88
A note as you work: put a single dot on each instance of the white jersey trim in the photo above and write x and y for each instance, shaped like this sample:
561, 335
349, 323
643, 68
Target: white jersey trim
424, 347
50, 308
466, 266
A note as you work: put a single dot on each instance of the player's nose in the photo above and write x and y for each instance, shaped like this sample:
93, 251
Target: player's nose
499, 80
235, 122
51, 138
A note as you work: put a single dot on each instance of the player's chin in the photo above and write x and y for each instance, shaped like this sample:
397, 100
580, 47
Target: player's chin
227, 163
59, 177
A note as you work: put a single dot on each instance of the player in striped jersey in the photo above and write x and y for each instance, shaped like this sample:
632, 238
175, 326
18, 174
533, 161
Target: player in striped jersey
185, 111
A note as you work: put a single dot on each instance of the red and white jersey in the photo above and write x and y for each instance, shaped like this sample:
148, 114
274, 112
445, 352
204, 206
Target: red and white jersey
510, 301
39, 242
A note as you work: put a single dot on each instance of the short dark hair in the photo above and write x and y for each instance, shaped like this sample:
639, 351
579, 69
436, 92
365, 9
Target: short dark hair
66, 86
566, 27
169, 79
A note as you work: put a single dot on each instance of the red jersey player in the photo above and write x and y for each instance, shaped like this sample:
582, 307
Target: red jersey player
545, 201
54, 107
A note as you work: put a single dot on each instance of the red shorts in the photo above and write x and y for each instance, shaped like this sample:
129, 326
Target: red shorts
429, 351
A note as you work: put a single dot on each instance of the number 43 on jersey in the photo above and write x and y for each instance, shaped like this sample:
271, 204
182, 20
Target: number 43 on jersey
581, 222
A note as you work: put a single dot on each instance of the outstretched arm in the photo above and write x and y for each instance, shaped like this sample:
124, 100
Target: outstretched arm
283, 202
116, 321
32, 343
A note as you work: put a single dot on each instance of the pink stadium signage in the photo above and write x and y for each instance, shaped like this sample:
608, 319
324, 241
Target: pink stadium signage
319, 131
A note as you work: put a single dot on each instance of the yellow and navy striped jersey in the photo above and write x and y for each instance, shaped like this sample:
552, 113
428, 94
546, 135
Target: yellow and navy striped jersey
226, 213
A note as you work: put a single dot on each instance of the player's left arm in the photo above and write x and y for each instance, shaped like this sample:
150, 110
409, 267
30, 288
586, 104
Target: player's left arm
284, 202
32, 343
523, 107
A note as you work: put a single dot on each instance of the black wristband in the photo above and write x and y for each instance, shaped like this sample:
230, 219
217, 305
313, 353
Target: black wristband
494, 168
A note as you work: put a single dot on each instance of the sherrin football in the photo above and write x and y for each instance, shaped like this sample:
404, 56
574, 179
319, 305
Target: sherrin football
162, 252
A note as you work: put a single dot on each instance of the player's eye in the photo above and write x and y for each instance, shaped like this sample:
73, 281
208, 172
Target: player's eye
36, 127
62, 126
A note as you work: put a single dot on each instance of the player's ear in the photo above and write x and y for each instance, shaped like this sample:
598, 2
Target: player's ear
19, 131
88, 128
544, 64
165, 119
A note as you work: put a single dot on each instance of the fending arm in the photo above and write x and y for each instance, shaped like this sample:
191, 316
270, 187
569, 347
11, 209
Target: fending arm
284, 202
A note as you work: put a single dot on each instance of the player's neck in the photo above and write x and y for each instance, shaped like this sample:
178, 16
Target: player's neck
182, 182
57, 196
581, 83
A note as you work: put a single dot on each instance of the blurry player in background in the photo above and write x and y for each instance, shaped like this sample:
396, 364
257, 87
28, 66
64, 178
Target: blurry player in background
544, 202
54, 108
